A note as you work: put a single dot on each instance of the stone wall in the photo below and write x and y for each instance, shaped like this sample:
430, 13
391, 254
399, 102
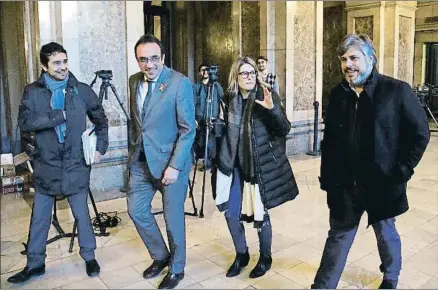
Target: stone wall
214, 40
251, 29
335, 28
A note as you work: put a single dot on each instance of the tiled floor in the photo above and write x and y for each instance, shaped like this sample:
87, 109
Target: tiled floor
299, 229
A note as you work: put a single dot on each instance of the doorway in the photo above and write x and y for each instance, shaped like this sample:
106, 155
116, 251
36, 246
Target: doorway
157, 22
431, 76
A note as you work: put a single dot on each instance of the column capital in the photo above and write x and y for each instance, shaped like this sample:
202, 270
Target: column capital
361, 5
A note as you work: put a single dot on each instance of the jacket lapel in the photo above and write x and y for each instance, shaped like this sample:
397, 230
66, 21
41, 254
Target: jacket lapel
160, 87
134, 92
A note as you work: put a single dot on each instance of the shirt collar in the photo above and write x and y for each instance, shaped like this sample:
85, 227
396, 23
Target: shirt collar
145, 79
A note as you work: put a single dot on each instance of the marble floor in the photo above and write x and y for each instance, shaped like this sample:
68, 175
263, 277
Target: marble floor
299, 231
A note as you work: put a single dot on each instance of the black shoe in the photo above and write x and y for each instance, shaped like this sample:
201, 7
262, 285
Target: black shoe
26, 274
93, 268
263, 266
388, 284
239, 263
155, 269
171, 280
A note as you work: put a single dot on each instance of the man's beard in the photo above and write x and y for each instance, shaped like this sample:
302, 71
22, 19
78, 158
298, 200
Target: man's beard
362, 77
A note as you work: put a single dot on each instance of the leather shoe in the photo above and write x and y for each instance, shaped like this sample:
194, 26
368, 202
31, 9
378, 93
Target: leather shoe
263, 266
388, 284
239, 263
26, 274
171, 280
155, 269
93, 268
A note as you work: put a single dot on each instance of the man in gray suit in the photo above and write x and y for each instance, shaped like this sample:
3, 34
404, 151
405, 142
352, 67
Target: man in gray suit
162, 134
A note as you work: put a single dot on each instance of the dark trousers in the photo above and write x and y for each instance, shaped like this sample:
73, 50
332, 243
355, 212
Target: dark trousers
235, 225
341, 236
40, 226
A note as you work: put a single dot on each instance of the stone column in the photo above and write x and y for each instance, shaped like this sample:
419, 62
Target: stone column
267, 32
280, 21
304, 23
391, 25
94, 33
134, 30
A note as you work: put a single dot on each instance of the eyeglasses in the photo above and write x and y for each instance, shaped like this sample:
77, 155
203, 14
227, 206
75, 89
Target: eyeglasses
153, 59
246, 74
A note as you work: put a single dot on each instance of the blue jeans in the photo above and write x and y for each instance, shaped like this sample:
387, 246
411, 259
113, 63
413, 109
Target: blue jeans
235, 225
340, 238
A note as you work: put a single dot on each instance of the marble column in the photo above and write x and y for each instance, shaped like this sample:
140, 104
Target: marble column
94, 33
391, 25
134, 30
279, 62
304, 24
267, 32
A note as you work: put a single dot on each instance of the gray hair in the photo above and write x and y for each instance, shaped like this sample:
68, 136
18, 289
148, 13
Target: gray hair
360, 41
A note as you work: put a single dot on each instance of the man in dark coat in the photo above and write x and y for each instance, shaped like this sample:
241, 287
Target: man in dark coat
375, 134
55, 107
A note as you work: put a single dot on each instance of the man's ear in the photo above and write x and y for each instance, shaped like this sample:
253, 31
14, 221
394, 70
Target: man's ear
43, 68
162, 58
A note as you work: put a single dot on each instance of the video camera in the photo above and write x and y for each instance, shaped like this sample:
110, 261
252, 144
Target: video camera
213, 73
104, 74
425, 93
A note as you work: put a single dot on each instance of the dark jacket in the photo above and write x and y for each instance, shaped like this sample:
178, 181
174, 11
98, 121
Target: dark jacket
397, 138
200, 94
60, 169
273, 171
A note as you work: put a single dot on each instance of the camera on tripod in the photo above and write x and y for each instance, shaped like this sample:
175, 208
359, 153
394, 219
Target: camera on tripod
425, 94
213, 73
105, 74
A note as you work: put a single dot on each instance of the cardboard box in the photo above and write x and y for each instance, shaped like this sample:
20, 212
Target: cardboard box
15, 188
7, 159
21, 158
7, 170
24, 177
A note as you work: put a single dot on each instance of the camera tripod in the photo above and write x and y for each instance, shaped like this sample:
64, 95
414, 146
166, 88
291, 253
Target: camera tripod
61, 234
421, 93
208, 126
106, 76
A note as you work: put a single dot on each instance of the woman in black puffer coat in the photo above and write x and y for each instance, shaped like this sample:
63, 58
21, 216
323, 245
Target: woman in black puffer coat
254, 174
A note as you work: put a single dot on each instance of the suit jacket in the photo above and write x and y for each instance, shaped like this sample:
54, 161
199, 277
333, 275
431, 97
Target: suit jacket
168, 126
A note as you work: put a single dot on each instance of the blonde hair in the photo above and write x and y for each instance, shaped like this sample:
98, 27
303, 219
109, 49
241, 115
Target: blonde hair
233, 87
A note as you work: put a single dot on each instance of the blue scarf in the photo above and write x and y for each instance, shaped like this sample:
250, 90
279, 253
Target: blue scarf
57, 101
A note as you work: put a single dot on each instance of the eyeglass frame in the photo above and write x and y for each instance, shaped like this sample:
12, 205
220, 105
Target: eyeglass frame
145, 60
252, 73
